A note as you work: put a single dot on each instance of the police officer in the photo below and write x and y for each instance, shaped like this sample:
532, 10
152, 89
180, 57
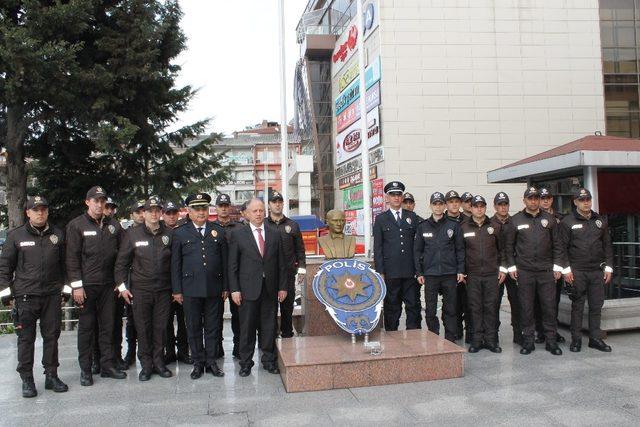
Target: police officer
143, 275
223, 205
393, 233
587, 251
438, 254
92, 248
466, 203
546, 204
409, 203
32, 273
486, 271
137, 213
199, 282
110, 208
294, 256
534, 255
453, 202
175, 340
500, 220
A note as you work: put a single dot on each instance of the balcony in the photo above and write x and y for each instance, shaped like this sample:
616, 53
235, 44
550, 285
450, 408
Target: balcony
316, 40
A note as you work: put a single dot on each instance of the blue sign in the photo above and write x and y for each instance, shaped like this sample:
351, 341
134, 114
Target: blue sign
352, 292
352, 92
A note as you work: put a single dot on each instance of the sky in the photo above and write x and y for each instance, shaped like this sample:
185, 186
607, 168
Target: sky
232, 58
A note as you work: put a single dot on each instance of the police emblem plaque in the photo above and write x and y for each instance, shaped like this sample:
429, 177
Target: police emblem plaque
352, 293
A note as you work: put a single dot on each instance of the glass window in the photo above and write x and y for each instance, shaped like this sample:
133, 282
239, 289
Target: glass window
619, 61
243, 195
621, 97
616, 9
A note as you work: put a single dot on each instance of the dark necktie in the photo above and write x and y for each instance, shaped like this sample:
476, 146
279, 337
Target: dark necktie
200, 231
398, 217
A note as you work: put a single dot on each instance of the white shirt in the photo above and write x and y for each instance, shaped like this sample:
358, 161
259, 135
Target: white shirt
203, 227
393, 212
255, 234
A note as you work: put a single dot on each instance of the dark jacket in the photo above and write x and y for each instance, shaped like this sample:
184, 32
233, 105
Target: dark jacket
438, 248
586, 243
248, 270
92, 248
292, 243
459, 219
199, 264
532, 242
229, 227
144, 259
32, 262
393, 244
484, 247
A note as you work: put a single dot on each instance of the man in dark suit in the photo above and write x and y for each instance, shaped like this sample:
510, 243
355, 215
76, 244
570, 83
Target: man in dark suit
198, 278
258, 282
393, 233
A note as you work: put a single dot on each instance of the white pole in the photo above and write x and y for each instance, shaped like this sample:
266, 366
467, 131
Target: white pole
266, 181
284, 144
366, 183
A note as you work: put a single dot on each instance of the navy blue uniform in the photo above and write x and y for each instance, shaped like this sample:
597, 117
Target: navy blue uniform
199, 273
438, 254
393, 256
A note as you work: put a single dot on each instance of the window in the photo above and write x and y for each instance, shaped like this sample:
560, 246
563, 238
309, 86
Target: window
271, 174
268, 156
243, 195
244, 176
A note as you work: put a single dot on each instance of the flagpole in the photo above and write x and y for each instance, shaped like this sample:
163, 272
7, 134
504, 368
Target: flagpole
284, 127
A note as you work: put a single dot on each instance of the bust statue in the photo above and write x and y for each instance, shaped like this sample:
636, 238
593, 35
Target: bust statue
336, 245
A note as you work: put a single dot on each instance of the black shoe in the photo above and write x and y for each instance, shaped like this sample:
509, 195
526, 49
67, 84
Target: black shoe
170, 358
113, 373
599, 344
185, 358
163, 372
493, 348
52, 382
576, 345
560, 339
245, 372
286, 335
236, 352
527, 348
540, 339
197, 372
474, 349
553, 349
130, 358
215, 370
29, 387
272, 369
119, 364
144, 375
86, 379
95, 367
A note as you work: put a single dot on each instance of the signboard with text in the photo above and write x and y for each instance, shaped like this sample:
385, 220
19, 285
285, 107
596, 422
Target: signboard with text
372, 75
348, 143
352, 113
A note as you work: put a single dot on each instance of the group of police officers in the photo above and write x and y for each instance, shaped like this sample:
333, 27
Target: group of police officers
159, 272
162, 272
470, 259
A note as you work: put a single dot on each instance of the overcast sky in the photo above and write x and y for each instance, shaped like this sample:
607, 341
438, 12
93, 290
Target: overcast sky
232, 57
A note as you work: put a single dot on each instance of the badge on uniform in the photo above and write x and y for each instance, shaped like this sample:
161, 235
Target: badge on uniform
165, 240
558, 220
490, 230
408, 220
112, 229
450, 233
214, 233
54, 239
544, 223
598, 223
287, 228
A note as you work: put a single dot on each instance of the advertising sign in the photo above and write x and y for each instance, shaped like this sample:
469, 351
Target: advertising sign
352, 92
352, 197
356, 178
355, 165
377, 197
352, 113
348, 143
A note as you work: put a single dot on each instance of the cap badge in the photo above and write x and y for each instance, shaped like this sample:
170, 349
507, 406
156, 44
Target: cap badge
199, 196
99, 189
112, 229
490, 230
598, 223
532, 189
450, 233
165, 240
37, 199
54, 239
395, 184
544, 223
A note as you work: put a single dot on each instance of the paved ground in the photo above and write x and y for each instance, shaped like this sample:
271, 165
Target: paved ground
588, 388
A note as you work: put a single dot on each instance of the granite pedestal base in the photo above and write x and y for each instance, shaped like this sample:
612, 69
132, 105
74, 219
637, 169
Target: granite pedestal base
329, 362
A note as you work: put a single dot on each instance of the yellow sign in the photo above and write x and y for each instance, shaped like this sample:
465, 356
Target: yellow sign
348, 76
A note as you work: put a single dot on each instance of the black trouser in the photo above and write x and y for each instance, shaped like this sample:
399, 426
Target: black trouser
259, 315
587, 285
447, 286
98, 306
543, 285
176, 340
514, 302
404, 290
286, 308
118, 313
203, 331
538, 310
463, 312
30, 309
482, 294
151, 310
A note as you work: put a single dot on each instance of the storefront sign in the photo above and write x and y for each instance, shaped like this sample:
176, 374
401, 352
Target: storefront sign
352, 197
356, 178
348, 143
351, 222
345, 47
350, 73
352, 113
377, 197
355, 165
371, 76
371, 17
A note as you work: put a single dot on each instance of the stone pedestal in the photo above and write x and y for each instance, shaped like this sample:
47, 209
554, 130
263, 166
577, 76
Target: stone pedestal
329, 362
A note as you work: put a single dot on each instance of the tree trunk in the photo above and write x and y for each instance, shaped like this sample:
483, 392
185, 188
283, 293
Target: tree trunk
16, 167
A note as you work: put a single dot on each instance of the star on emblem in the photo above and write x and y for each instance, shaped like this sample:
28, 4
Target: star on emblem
349, 285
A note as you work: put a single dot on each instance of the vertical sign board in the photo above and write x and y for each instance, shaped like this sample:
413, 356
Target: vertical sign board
348, 143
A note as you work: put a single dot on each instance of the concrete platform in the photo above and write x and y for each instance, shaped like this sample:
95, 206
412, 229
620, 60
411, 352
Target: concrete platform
331, 362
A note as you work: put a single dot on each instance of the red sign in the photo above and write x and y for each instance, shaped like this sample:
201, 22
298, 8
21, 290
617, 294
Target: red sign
351, 222
347, 46
377, 198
